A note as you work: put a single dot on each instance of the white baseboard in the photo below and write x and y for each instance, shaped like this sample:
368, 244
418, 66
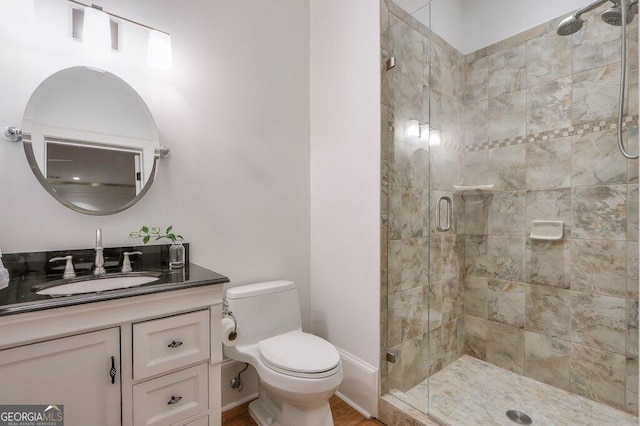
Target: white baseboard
359, 387
237, 402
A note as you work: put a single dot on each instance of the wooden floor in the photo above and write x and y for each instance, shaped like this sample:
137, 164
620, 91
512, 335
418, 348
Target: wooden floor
343, 415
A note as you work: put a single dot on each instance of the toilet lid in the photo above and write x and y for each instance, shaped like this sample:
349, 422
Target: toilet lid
299, 352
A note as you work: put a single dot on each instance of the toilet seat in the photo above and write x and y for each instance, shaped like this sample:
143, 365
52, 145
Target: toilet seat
300, 354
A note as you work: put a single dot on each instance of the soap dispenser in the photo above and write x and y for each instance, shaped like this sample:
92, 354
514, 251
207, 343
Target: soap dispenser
4, 275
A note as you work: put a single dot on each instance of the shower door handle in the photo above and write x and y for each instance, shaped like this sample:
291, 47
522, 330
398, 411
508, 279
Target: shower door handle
439, 226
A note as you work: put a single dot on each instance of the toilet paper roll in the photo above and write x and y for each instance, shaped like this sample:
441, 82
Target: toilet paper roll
229, 337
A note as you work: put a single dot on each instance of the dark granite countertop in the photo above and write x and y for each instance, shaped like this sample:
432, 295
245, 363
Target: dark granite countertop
27, 270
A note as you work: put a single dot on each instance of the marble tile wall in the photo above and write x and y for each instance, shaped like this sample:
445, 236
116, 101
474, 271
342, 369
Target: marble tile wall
422, 306
539, 124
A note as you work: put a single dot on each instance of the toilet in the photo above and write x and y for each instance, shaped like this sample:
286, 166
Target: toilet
298, 371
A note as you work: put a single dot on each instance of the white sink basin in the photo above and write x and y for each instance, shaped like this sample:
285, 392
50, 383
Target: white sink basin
97, 284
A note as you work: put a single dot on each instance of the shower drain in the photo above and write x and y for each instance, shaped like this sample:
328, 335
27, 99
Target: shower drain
519, 417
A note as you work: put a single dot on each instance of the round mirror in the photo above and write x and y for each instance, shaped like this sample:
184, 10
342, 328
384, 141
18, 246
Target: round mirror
90, 140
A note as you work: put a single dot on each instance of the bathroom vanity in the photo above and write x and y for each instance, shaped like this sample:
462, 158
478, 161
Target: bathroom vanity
146, 355
136, 346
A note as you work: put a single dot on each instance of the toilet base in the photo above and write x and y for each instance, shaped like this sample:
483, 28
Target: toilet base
318, 416
270, 410
291, 416
261, 414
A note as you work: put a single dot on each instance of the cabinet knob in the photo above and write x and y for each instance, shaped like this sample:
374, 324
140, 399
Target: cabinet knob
174, 400
175, 344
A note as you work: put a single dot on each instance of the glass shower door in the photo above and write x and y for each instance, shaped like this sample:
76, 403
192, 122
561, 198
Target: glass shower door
406, 194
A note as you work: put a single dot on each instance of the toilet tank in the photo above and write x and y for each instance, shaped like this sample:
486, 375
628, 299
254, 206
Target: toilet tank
264, 310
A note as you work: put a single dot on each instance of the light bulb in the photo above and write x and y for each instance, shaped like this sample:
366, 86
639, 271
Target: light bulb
434, 137
159, 51
96, 30
413, 128
424, 133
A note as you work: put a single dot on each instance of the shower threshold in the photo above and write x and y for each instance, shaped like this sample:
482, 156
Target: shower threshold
473, 392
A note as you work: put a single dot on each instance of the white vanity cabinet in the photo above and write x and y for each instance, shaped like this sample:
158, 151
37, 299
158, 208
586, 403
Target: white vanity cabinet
167, 353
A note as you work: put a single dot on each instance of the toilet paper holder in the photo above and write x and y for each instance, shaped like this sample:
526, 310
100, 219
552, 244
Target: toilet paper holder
234, 334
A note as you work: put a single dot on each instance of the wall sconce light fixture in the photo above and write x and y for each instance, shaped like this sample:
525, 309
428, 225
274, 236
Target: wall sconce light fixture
159, 50
96, 29
98, 32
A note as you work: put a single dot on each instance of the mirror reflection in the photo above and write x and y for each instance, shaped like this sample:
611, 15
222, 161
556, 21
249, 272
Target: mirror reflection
93, 177
90, 140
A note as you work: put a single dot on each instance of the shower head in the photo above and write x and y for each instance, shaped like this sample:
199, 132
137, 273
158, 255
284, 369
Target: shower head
613, 15
570, 25
573, 23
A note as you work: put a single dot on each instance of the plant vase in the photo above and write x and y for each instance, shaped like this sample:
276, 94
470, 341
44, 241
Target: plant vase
176, 256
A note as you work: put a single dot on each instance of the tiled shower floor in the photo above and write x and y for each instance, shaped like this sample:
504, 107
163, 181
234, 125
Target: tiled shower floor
473, 392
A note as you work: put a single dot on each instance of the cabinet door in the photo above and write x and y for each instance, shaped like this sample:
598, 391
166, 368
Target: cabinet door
72, 371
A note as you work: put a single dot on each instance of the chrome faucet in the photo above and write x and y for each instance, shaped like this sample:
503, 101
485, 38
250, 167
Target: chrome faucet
99, 262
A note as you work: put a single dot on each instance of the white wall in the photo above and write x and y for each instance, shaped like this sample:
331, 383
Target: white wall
345, 184
234, 109
470, 25
489, 21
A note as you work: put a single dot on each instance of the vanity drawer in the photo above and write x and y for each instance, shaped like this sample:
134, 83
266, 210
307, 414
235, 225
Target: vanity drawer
171, 398
203, 421
170, 343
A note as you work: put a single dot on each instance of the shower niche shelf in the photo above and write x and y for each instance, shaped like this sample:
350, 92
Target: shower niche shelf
550, 230
473, 189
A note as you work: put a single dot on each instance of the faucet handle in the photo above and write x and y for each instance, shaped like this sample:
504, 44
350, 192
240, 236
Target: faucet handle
126, 263
69, 272
99, 239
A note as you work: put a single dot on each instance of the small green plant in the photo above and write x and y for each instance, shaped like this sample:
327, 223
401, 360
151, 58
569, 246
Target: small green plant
147, 234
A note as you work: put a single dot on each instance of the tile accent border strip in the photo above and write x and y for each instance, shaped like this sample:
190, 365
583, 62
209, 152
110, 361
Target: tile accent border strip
580, 129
